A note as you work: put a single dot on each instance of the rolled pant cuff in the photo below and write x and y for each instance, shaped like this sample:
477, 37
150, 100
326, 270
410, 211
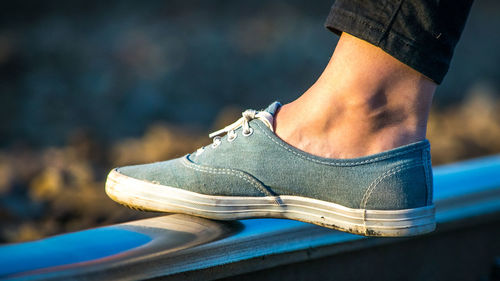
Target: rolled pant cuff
431, 60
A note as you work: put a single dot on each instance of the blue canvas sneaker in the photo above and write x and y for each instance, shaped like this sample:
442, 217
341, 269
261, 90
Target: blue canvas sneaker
249, 172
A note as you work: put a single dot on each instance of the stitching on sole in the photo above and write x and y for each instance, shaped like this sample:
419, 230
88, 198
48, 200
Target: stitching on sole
409, 230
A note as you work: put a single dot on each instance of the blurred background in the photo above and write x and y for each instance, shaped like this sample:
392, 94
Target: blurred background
89, 85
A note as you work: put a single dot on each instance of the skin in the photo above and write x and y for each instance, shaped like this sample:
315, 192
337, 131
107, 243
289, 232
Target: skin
364, 102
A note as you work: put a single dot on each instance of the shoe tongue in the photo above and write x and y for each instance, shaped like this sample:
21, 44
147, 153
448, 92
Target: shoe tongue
273, 107
271, 110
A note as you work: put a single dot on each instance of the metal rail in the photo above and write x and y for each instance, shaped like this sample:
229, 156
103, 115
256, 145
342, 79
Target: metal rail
181, 247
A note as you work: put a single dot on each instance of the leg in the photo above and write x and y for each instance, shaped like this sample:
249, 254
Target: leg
365, 102
374, 95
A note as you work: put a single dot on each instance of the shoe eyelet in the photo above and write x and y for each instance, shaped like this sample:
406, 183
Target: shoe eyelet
246, 134
217, 142
231, 138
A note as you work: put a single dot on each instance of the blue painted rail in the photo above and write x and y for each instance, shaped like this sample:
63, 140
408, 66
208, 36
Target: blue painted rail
182, 247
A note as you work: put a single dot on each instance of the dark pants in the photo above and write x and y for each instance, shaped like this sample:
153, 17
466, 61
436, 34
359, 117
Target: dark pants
420, 33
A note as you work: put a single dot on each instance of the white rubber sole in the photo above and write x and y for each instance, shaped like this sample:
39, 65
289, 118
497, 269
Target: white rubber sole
149, 196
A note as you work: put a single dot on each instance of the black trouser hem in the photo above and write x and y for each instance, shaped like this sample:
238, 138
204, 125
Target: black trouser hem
431, 61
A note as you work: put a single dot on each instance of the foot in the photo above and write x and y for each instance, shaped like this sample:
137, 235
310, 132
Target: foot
251, 173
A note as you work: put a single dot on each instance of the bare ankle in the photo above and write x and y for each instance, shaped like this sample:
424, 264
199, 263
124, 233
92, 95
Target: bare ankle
365, 102
349, 134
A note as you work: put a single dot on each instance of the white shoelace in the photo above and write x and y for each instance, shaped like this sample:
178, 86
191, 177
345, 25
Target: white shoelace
244, 121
